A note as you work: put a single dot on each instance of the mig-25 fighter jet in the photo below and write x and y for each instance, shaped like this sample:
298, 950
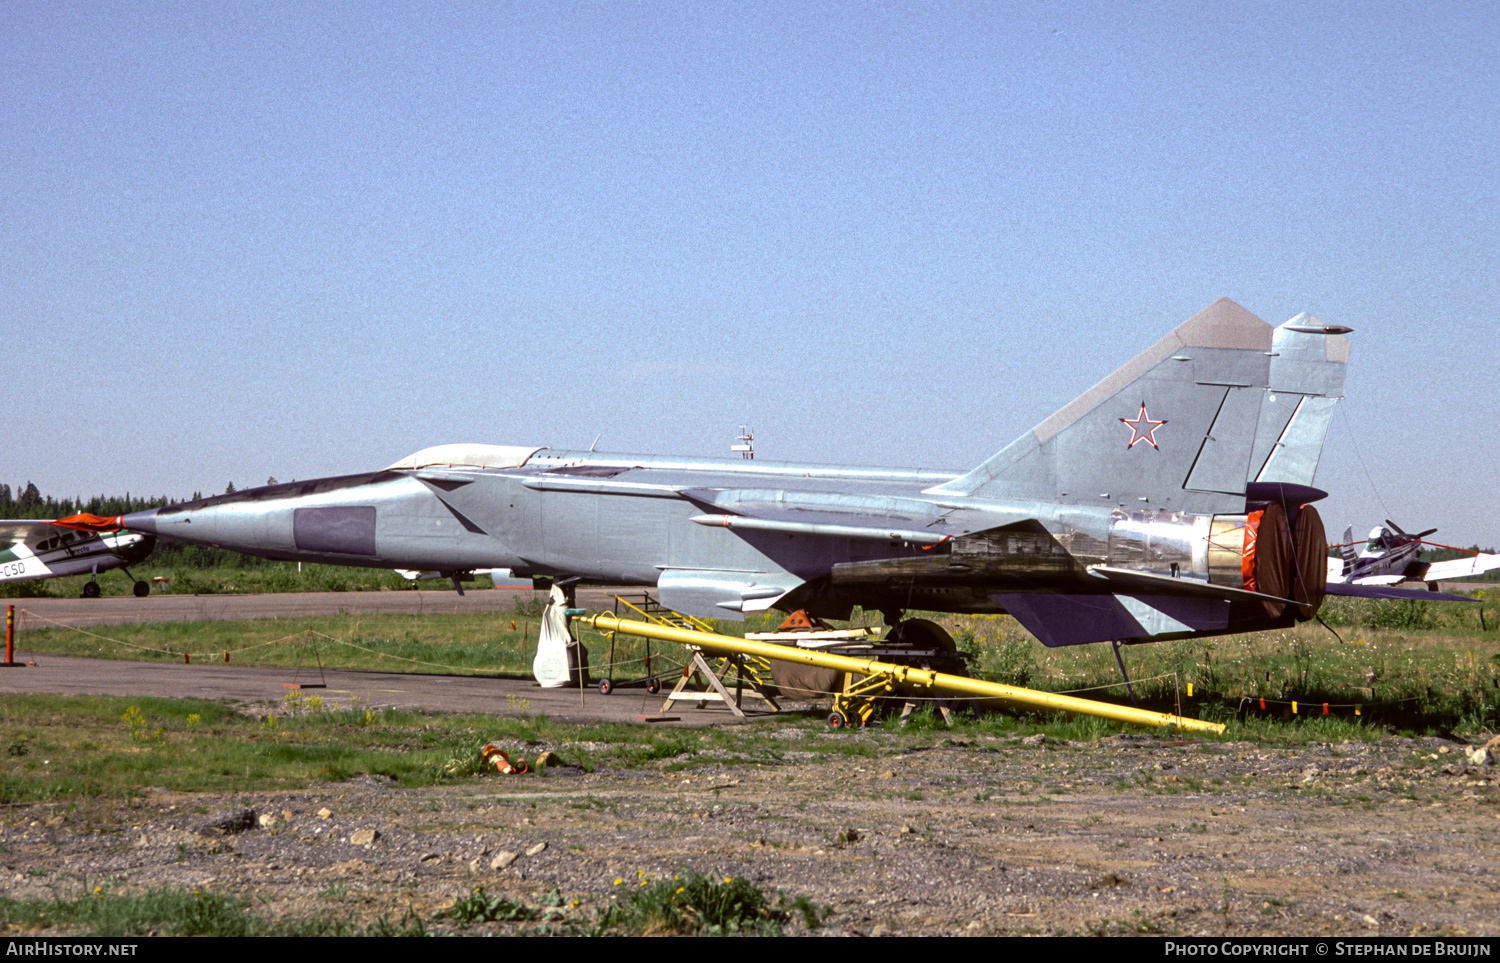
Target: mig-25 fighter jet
1171, 500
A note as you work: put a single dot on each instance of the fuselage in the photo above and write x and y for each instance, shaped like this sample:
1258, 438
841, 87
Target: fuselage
1385, 554
715, 536
594, 515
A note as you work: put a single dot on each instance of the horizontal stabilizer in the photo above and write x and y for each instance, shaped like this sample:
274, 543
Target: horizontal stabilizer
1366, 591
1125, 579
1068, 619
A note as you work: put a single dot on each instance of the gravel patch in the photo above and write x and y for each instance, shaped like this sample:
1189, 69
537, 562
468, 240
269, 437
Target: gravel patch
966, 835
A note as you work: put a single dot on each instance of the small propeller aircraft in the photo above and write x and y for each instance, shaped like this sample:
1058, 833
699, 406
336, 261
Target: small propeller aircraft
32, 550
1390, 556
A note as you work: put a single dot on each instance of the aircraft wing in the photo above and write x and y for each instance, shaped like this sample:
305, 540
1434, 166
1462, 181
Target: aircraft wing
1458, 568
1429, 572
875, 518
792, 525
27, 531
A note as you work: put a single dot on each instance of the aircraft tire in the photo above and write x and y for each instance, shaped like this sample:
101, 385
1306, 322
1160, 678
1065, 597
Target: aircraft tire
653, 685
926, 634
836, 720
142, 589
90, 590
606, 687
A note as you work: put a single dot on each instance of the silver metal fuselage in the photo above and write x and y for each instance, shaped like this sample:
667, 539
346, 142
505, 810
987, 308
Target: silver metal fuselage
650, 520
1130, 514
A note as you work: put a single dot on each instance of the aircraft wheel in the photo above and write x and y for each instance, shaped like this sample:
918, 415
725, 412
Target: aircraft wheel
142, 589
926, 634
836, 720
90, 590
606, 687
653, 685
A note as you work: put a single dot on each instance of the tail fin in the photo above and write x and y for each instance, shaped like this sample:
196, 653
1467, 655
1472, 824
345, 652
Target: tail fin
1186, 424
1350, 553
1305, 381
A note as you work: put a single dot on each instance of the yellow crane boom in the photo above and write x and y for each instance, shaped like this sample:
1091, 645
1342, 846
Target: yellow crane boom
896, 674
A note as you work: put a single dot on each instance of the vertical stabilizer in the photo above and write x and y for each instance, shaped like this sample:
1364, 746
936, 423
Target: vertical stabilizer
1172, 429
1306, 382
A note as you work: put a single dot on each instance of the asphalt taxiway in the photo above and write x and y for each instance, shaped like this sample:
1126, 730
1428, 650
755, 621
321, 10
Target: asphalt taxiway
257, 685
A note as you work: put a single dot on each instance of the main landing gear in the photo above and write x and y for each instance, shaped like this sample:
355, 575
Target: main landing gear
919, 643
91, 587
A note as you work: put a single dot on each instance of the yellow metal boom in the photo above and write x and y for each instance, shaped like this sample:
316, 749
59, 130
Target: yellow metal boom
902, 674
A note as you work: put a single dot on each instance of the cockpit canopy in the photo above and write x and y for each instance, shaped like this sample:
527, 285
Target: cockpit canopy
467, 456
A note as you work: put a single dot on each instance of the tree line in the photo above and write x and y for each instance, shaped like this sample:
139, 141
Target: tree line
30, 504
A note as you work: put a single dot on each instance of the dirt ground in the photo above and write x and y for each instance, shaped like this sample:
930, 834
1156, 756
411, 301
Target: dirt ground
935, 835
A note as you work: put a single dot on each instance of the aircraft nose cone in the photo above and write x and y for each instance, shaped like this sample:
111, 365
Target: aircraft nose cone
140, 521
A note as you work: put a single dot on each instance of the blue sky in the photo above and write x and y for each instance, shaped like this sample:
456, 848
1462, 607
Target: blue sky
299, 239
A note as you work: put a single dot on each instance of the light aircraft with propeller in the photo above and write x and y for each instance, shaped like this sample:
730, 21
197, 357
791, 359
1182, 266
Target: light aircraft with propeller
1391, 556
31, 550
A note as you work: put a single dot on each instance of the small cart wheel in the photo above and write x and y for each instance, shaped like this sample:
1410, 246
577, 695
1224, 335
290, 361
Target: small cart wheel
653, 685
836, 720
606, 687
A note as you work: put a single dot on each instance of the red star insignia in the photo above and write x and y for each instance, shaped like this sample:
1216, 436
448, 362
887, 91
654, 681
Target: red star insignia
1142, 428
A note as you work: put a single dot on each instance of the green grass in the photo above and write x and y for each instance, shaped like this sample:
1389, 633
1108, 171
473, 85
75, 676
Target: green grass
67, 747
84, 748
1441, 678
431, 643
697, 904
81, 748
264, 577
160, 912
105, 912
1437, 671
694, 904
